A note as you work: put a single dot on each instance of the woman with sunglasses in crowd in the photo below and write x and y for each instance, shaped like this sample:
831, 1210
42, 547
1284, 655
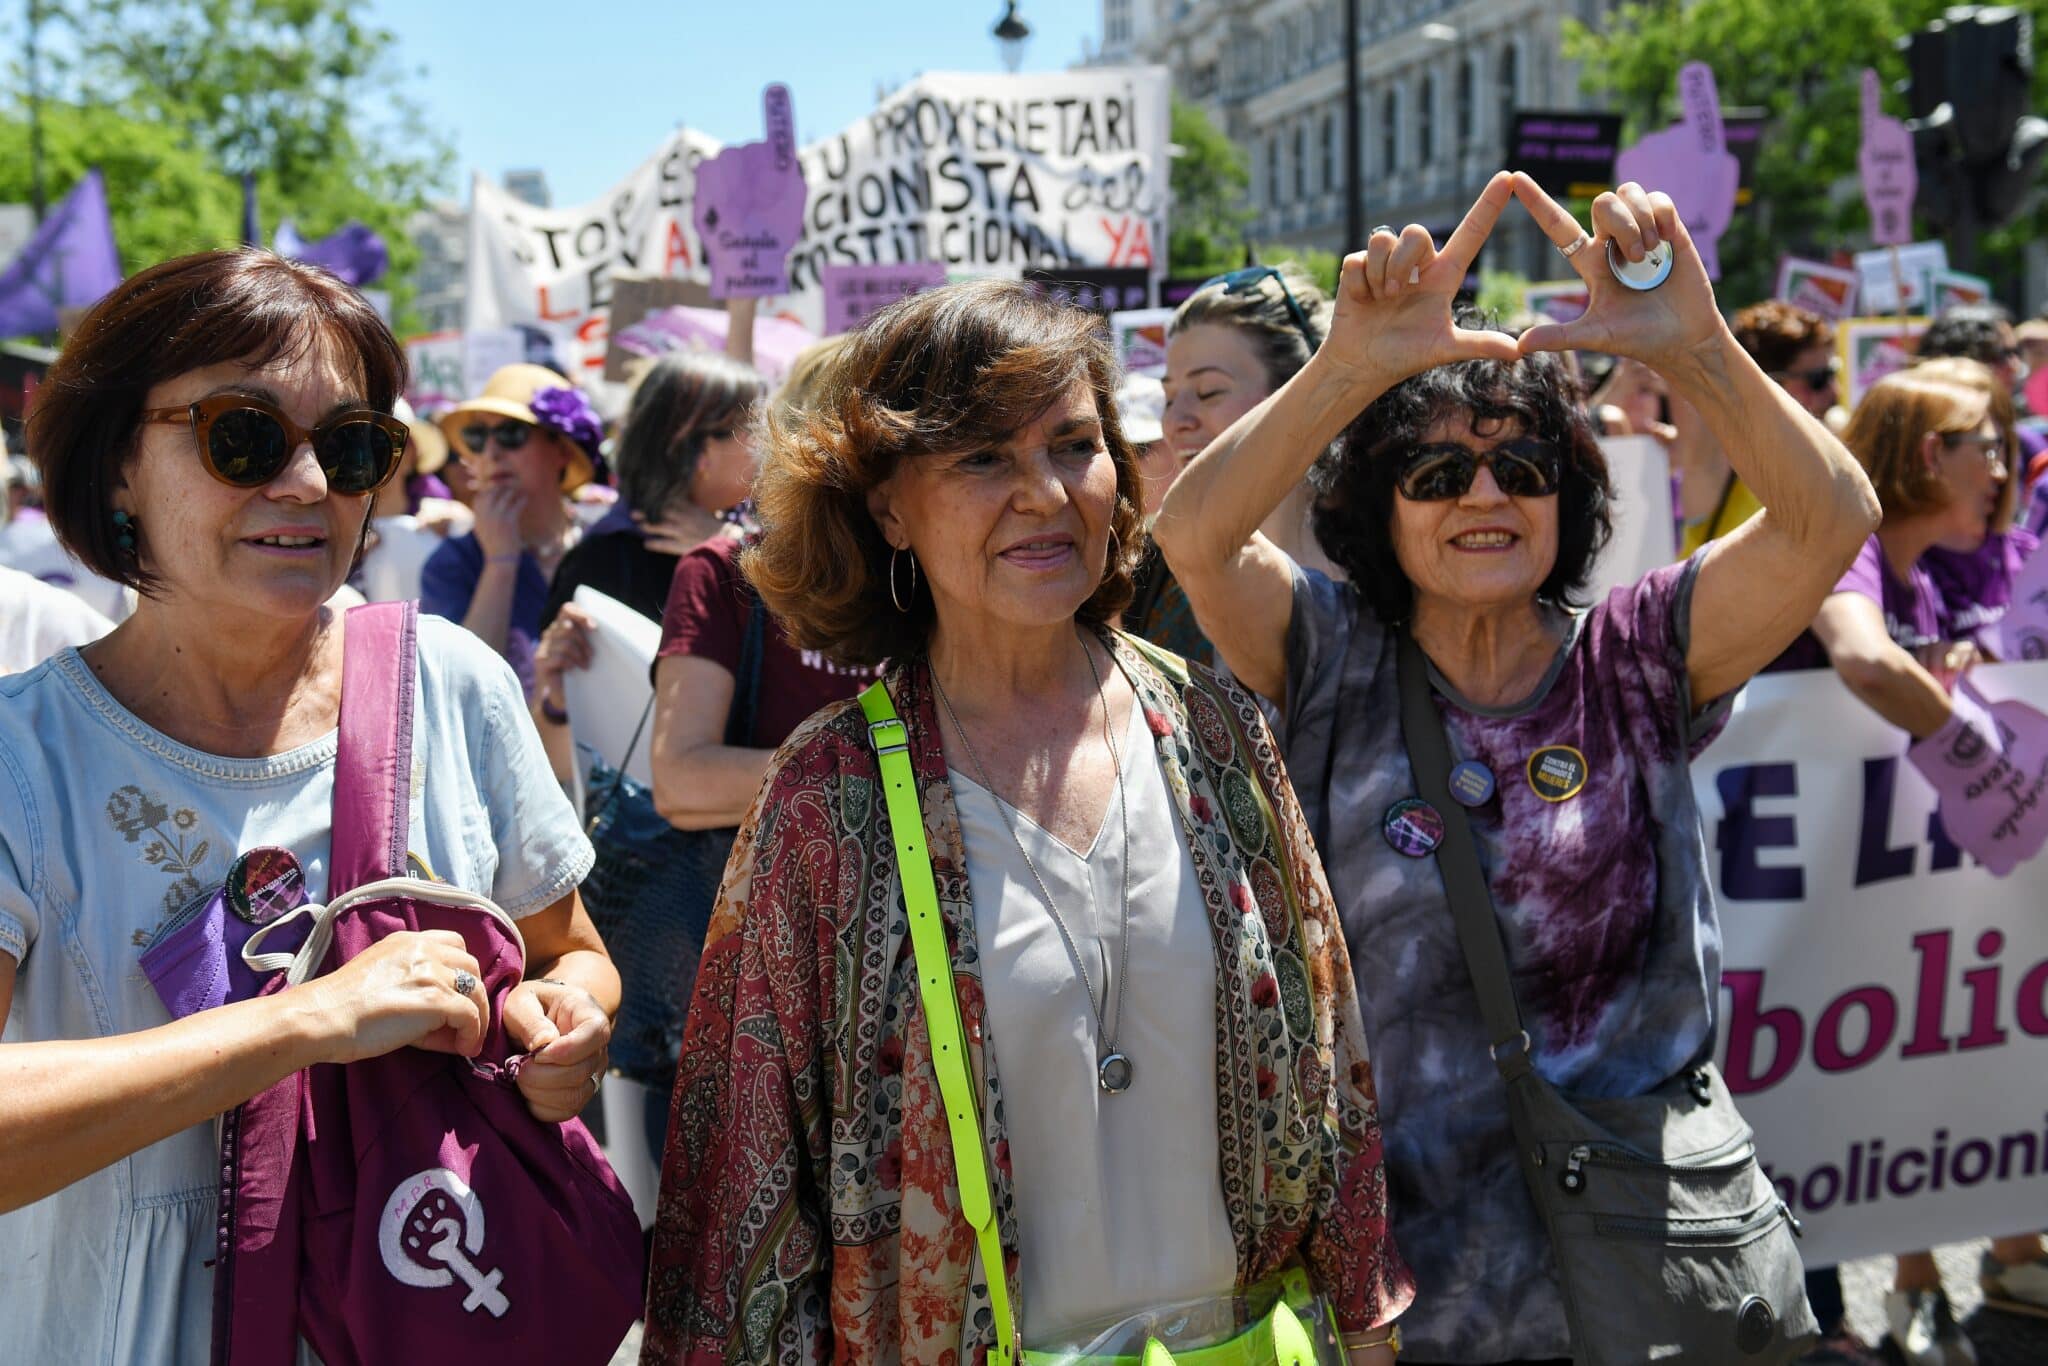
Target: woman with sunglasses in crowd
1231, 343
212, 435
1467, 502
528, 441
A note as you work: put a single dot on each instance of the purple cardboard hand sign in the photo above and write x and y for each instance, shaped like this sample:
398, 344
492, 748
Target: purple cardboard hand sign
1889, 177
1989, 765
2023, 630
1690, 161
750, 207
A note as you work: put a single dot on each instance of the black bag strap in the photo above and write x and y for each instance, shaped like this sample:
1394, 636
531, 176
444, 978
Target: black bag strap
1457, 858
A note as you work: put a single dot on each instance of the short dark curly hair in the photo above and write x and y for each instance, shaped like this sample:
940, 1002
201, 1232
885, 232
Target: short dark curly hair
953, 368
1354, 508
1968, 330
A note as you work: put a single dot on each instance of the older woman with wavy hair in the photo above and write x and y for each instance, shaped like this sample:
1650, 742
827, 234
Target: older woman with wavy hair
1154, 995
1467, 504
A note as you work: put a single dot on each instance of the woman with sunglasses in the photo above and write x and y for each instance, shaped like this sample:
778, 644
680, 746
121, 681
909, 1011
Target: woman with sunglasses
528, 441
212, 435
1231, 343
1467, 501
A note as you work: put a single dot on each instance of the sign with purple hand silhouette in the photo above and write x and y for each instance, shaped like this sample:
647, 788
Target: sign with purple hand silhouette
1989, 765
1690, 161
750, 207
1886, 162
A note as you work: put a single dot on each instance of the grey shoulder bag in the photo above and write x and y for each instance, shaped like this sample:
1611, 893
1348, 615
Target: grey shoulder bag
1671, 1244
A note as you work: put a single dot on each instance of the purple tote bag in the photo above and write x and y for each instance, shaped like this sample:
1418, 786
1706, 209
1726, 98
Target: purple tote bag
410, 1208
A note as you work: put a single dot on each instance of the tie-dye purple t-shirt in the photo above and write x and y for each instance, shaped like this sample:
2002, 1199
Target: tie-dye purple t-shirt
1604, 901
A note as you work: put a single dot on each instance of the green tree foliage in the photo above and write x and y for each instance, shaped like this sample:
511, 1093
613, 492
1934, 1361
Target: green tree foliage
1802, 61
174, 99
1211, 196
1317, 263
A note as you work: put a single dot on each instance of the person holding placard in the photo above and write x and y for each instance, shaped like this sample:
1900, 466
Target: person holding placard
1024, 962
1467, 499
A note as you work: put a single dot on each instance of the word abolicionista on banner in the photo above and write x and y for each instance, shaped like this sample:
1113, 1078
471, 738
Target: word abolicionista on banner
1869, 1173
1860, 1025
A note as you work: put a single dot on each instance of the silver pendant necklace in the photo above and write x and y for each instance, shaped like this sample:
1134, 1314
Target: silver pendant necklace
1113, 1069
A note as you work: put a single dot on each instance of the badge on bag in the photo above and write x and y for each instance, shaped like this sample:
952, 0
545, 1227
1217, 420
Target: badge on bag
1557, 773
1413, 827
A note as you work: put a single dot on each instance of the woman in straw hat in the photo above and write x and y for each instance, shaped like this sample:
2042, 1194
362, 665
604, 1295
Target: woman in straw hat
529, 439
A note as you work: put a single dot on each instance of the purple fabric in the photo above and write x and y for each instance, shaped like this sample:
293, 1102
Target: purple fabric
1976, 588
354, 252
1913, 613
448, 585
423, 486
1604, 902
69, 263
409, 1207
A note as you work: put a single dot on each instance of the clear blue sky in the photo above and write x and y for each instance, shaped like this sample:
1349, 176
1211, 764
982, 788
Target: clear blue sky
585, 89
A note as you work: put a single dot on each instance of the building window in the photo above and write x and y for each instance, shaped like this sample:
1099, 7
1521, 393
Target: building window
1425, 121
1329, 152
1390, 133
1510, 87
1468, 105
1300, 162
1273, 169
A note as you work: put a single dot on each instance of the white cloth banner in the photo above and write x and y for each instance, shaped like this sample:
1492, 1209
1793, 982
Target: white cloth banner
1645, 534
607, 700
1884, 998
985, 173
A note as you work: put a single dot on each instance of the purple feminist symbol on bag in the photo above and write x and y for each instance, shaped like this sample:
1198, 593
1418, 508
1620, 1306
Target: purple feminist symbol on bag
1890, 179
749, 208
1690, 161
433, 1225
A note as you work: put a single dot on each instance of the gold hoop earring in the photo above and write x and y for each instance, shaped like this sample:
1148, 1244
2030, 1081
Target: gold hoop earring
901, 605
1116, 548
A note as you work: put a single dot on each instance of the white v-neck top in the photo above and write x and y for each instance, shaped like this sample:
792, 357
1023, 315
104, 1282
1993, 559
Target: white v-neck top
1119, 1197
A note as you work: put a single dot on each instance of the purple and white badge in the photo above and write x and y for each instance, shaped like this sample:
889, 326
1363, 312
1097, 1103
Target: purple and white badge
1413, 827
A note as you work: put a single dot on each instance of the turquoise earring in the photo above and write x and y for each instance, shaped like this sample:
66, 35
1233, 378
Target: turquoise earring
125, 528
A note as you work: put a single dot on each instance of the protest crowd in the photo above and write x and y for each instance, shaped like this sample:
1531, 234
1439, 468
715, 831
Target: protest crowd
935, 811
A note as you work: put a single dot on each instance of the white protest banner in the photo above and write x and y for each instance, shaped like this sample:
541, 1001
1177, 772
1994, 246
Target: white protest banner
992, 174
552, 267
1948, 288
985, 174
436, 377
1885, 999
1645, 531
1558, 301
487, 350
1872, 348
608, 699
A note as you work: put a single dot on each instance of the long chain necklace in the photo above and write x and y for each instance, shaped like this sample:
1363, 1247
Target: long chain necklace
1113, 1070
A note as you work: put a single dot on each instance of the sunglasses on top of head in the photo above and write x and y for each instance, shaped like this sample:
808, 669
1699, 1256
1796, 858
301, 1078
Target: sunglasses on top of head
246, 442
1526, 467
1249, 280
510, 434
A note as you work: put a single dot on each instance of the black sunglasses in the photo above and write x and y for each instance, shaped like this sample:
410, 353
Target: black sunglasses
1820, 377
246, 442
1248, 280
511, 434
1523, 468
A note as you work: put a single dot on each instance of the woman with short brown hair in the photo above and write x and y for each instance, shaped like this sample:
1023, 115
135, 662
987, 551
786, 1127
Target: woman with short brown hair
1136, 920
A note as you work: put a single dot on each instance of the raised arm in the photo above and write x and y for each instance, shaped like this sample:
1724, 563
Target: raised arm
1760, 586
1393, 320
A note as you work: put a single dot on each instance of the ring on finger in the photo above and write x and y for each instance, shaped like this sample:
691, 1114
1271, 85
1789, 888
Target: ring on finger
596, 1080
1382, 228
1573, 249
465, 983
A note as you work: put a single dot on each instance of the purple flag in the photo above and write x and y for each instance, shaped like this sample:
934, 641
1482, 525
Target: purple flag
69, 263
353, 252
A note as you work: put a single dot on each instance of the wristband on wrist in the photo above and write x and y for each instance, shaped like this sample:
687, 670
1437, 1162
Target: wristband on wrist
559, 717
513, 558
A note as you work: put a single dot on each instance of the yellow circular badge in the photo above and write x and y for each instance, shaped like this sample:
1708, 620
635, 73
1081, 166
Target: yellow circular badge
1557, 773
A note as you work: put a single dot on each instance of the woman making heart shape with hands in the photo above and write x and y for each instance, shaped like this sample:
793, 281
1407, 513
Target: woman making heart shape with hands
1468, 505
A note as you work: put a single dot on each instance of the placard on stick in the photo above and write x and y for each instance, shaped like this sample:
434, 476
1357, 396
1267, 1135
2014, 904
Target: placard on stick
1690, 161
750, 207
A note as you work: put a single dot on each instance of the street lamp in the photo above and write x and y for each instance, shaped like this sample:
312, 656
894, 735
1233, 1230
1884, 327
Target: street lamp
1011, 33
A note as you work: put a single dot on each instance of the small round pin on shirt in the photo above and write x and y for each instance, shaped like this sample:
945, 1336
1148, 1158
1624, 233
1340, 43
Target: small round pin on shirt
1653, 270
264, 883
1471, 783
1413, 827
1557, 773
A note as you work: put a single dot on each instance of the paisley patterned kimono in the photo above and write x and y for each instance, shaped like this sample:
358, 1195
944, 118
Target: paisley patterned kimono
808, 1210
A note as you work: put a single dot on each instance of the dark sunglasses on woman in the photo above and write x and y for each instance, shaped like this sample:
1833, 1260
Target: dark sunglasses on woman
1526, 467
1820, 377
245, 442
511, 434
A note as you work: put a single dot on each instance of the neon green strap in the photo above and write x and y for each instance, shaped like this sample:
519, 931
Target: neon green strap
941, 1007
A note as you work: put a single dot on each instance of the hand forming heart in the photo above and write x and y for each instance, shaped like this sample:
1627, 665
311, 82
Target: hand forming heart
1394, 299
